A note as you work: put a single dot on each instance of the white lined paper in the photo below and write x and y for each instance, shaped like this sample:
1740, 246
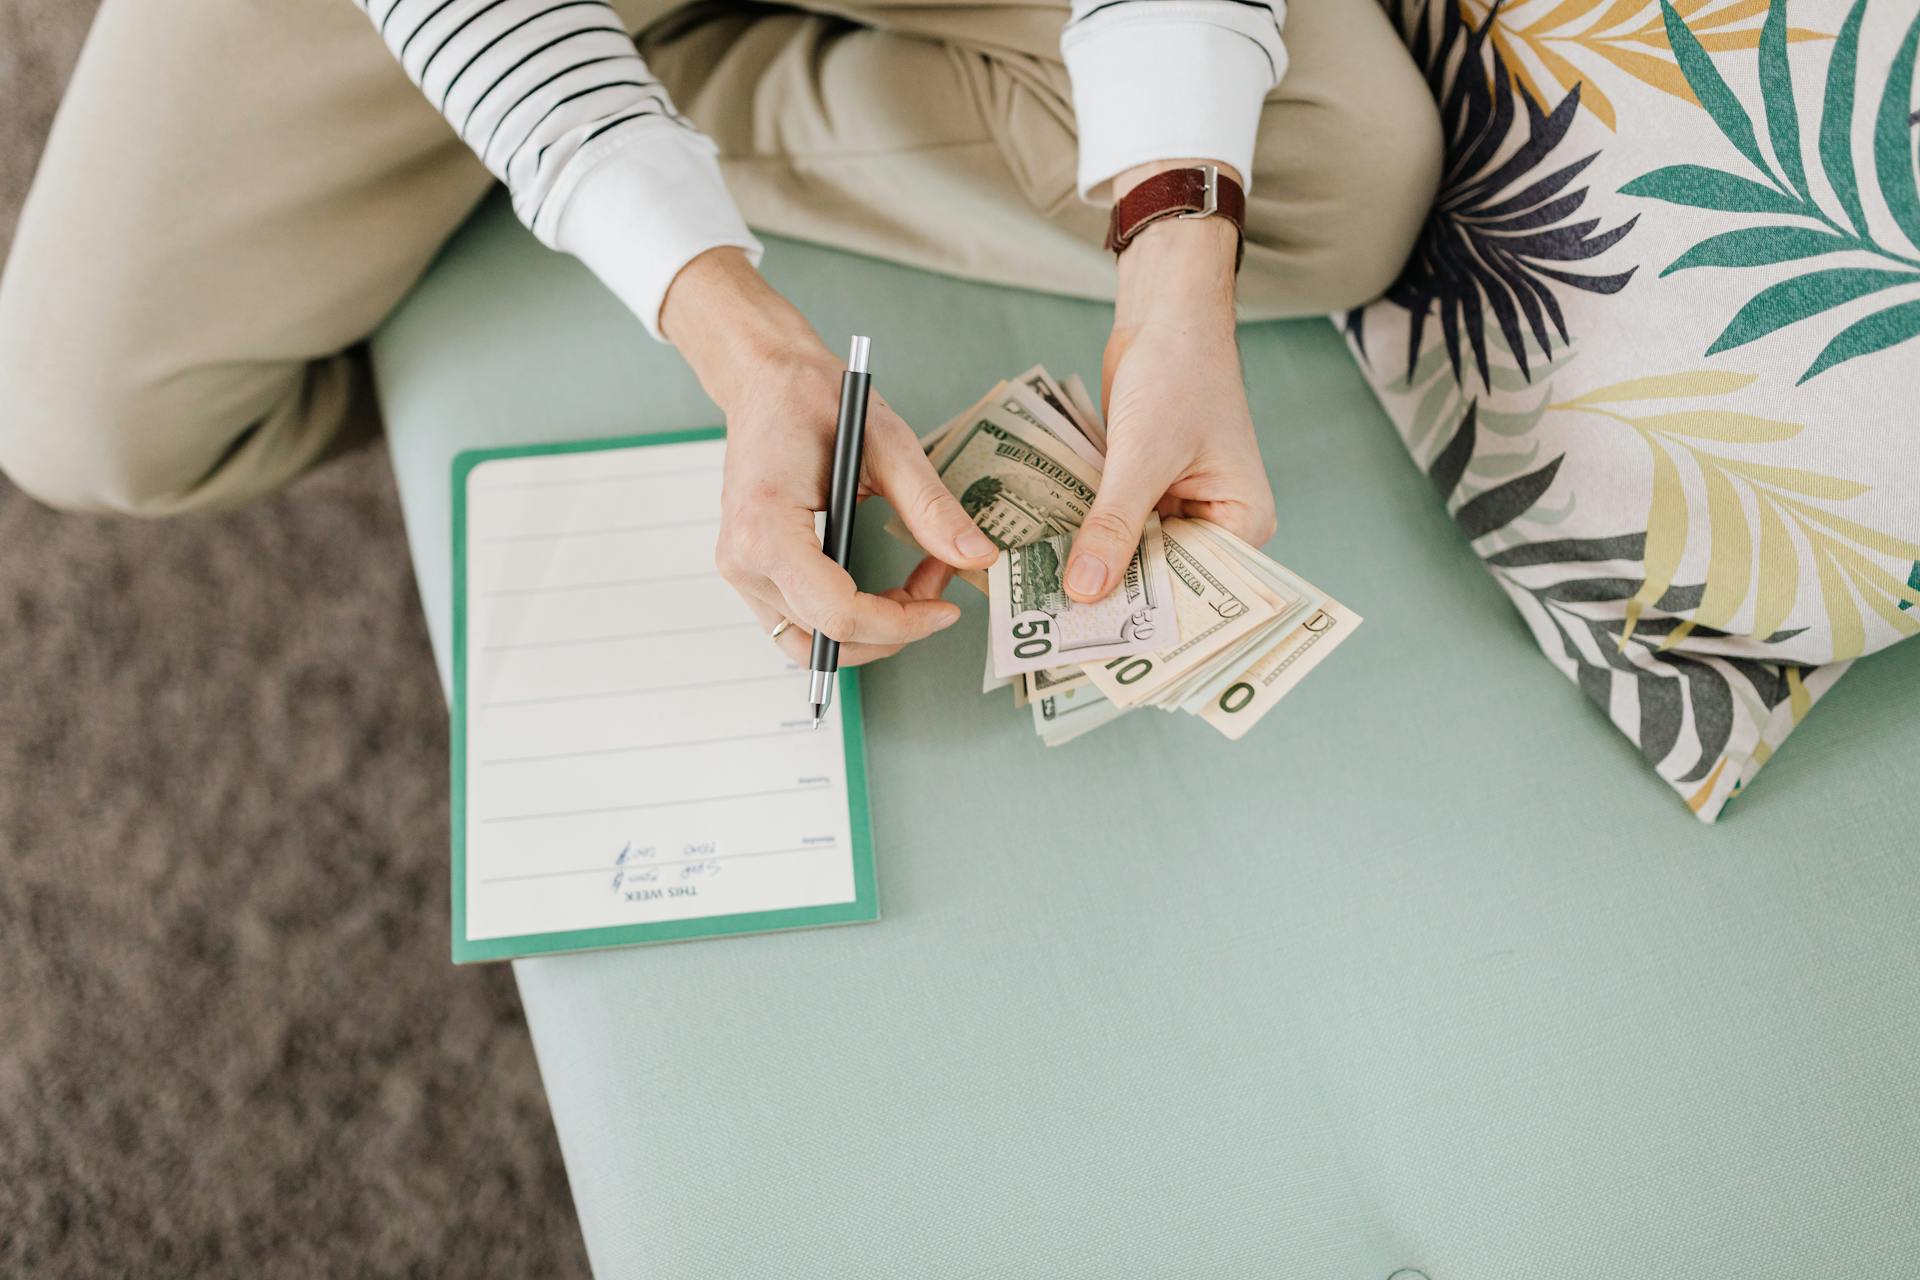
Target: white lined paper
637, 750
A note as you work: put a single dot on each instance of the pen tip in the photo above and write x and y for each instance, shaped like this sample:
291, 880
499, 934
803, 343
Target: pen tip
816, 722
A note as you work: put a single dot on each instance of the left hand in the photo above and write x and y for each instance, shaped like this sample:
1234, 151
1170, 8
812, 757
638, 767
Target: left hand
1179, 434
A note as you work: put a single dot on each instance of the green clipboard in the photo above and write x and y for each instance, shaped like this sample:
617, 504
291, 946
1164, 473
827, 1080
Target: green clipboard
863, 905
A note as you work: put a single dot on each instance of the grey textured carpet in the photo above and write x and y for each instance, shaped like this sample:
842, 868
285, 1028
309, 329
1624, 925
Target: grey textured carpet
230, 1040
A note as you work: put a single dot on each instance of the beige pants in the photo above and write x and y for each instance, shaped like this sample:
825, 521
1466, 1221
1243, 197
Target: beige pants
236, 193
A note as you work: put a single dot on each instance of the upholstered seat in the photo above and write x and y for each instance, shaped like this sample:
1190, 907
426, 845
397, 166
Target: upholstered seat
1429, 972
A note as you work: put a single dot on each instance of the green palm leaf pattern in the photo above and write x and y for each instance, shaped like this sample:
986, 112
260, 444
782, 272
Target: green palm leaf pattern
1708, 86
1704, 188
1892, 151
1877, 332
1836, 119
1780, 305
1776, 94
1758, 246
1788, 193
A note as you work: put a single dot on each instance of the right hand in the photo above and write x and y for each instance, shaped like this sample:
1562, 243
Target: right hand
1180, 438
779, 387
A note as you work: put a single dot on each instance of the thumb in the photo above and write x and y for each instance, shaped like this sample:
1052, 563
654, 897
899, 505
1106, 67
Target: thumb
1111, 532
902, 474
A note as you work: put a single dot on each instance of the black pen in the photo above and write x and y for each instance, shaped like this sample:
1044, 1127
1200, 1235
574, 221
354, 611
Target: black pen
849, 440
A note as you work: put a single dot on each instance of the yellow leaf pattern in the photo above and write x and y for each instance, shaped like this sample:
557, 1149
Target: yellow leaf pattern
1668, 386
1705, 592
1565, 43
1880, 589
1885, 544
1798, 697
1793, 479
1779, 574
1666, 538
1719, 18
1699, 798
1843, 615
1730, 569
1788, 513
1714, 424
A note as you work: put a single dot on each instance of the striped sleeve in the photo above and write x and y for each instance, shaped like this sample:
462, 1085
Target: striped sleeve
1169, 80
556, 102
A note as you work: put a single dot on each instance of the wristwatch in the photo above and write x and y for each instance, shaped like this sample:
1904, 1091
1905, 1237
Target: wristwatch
1199, 192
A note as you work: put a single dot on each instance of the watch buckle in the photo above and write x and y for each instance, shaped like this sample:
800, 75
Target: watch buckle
1212, 205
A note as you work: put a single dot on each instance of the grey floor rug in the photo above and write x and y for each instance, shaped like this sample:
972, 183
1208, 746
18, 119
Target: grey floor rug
230, 1040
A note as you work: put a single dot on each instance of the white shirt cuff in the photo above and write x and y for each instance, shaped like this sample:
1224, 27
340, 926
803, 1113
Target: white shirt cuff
1169, 80
640, 208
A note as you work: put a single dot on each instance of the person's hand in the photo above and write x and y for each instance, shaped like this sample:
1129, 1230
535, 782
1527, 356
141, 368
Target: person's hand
1179, 435
779, 387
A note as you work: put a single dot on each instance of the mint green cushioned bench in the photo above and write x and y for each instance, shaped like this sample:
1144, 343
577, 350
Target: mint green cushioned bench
1429, 973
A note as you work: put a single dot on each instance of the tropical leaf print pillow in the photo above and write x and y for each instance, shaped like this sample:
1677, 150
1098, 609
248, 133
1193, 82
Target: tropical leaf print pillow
1658, 348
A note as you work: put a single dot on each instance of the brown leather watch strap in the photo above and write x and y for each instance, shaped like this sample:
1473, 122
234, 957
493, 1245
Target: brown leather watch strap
1200, 192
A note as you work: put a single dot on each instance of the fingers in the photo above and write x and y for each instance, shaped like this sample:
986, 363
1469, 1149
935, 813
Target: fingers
796, 642
796, 638
769, 550
820, 595
793, 641
901, 472
1111, 532
928, 580
780, 564
1251, 521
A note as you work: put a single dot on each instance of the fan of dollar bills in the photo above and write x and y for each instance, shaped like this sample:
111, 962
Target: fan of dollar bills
1202, 622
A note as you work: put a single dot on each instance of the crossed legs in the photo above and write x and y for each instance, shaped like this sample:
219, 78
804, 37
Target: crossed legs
234, 197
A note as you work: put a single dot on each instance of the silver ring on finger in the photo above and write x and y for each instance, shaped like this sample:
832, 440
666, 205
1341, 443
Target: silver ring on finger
775, 633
